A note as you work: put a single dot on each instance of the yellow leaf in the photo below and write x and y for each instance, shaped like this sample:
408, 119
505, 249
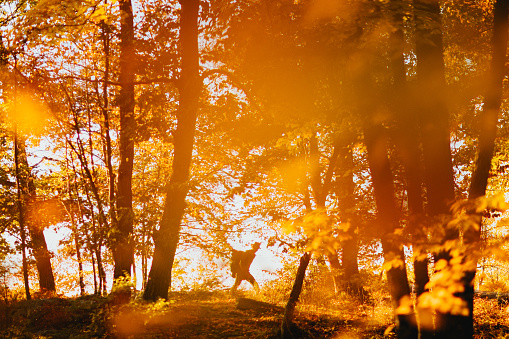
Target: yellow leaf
481, 205
441, 264
316, 243
455, 288
406, 305
389, 330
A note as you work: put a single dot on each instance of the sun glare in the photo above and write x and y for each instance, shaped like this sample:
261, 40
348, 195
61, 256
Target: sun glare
28, 113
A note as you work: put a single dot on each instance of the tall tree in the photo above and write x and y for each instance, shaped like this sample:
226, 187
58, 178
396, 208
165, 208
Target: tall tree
287, 325
435, 131
408, 141
35, 230
486, 145
123, 249
21, 219
388, 219
345, 192
166, 239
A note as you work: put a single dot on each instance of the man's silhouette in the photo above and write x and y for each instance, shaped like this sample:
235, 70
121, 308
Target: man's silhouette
241, 261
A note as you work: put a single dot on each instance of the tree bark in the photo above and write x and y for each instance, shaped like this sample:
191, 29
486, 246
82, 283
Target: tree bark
336, 268
70, 212
388, 219
35, 230
408, 142
21, 219
434, 123
434, 118
346, 193
123, 250
96, 243
287, 325
75, 236
486, 146
492, 101
105, 128
88, 241
167, 238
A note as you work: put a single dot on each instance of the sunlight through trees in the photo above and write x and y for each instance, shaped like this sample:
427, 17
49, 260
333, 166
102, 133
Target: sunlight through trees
362, 143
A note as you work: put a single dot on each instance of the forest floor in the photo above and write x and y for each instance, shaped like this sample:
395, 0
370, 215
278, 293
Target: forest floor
185, 315
201, 315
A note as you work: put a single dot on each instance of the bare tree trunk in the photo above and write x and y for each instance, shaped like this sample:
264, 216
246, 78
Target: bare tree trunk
167, 238
340, 155
96, 289
408, 144
123, 250
144, 256
70, 212
38, 241
96, 247
486, 146
434, 127
77, 246
21, 220
88, 238
336, 269
105, 132
100, 269
80, 262
89, 174
347, 203
383, 186
287, 325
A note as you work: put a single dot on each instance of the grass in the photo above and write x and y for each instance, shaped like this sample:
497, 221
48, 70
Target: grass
185, 315
211, 315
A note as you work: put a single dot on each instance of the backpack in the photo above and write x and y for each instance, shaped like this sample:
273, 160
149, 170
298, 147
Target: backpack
235, 265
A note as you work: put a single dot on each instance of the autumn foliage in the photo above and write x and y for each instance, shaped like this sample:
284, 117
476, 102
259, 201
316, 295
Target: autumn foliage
361, 143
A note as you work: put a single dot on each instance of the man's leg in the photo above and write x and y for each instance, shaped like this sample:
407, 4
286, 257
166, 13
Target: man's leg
253, 282
238, 280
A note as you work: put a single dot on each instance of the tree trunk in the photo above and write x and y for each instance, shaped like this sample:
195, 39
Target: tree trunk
382, 179
89, 245
347, 202
95, 243
38, 241
336, 269
107, 149
77, 245
21, 219
287, 325
100, 270
87, 172
434, 123
123, 250
96, 287
434, 118
167, 238
105, 132
492, 101
70, 212
408, 144
346, 205
144, 255
80, 261
486, 146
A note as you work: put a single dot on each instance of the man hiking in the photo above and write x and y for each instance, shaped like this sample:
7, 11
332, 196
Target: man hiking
241, 261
